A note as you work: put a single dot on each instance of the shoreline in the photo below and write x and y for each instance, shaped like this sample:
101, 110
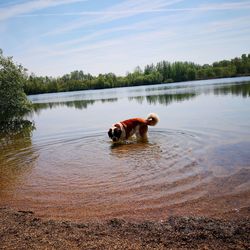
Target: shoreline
142, 85
24, 230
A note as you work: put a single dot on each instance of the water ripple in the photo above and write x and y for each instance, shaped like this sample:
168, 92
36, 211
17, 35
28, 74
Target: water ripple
84, 170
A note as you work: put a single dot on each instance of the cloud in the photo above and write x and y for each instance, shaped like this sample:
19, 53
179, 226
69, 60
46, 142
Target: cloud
133, 32
119, 13
122, 10
225, 25
131, 8
226, 6
139, 27
30, 6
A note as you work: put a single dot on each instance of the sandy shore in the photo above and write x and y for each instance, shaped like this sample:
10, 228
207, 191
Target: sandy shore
23, 230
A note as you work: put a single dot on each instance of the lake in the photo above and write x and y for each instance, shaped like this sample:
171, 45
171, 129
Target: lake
196, 160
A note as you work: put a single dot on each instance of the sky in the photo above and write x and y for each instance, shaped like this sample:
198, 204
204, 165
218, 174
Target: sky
55, 37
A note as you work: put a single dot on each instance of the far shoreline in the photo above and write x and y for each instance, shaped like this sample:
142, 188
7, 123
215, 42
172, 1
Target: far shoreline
144, 85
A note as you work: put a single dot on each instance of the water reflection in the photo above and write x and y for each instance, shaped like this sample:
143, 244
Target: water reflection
164, 95
130, 146
241, 89
165, 99
78, 104
183, 94
17, 157
142, 154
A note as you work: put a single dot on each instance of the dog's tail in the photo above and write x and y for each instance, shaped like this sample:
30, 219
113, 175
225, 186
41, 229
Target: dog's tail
152, 119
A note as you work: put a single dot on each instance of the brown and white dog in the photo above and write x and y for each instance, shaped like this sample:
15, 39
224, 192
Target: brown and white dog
123, 130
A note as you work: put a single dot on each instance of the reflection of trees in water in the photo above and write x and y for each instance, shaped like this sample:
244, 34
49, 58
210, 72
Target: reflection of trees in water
17, 156
109, 100
72, 104
242, 89
15, 128
165, 99
78, 104
235, 89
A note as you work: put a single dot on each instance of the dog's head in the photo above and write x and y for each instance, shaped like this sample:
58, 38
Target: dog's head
115, 132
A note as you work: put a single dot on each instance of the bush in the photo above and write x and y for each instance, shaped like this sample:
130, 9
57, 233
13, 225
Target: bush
13, 101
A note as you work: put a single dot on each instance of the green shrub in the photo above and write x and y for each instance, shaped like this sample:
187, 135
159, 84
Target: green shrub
13, 101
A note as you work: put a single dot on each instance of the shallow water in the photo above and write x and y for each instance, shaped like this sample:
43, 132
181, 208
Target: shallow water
196, 161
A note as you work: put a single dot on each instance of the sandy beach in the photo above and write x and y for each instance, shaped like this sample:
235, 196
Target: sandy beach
23, 230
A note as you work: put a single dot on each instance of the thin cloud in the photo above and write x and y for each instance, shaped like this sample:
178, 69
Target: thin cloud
139, 27
123, 10
118, 13
30, 6
128, 33
138, 38
226, 6
231, 24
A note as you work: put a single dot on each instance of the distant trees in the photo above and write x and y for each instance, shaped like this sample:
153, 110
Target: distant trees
161, 72
13, 101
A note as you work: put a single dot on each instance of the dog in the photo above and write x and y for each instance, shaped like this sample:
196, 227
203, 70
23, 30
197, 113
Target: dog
136, 126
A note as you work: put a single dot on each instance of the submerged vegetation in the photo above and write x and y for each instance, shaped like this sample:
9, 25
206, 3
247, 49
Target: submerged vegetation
162, 72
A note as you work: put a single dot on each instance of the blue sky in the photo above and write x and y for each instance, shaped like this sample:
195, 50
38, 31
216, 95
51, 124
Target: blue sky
55, 37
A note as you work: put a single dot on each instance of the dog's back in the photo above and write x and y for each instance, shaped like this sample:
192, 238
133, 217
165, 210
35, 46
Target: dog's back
151, 120
127, 128
139, 126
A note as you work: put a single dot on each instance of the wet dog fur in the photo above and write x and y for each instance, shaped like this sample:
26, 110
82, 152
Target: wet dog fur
123, 130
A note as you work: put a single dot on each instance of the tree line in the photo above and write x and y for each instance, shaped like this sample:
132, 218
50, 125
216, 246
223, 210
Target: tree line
161, 72
15, 83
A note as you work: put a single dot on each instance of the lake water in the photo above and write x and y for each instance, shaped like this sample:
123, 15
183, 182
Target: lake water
196, 161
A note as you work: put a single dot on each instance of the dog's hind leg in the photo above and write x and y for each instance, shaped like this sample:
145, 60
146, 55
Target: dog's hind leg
141, 133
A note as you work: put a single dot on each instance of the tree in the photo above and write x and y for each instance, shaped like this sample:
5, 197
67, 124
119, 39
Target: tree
161, 72
13, 101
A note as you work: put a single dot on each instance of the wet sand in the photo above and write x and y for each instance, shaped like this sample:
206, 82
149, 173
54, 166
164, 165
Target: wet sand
212, 222
23, 230
222, 198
